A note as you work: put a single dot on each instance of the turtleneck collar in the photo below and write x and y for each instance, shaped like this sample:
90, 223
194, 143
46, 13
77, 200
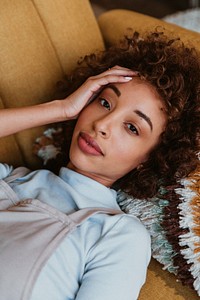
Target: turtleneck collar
91, 193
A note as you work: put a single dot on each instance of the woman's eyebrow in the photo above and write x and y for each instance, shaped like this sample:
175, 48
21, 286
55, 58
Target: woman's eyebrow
145, 117
114, 88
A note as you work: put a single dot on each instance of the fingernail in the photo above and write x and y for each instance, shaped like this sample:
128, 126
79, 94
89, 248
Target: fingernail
128, 78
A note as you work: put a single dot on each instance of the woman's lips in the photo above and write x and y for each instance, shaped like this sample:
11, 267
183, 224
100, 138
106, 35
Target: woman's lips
88, 145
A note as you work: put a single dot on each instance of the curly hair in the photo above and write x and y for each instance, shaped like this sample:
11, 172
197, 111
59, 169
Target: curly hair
173, 69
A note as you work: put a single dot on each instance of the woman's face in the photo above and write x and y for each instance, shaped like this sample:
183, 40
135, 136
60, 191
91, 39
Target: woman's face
116, 132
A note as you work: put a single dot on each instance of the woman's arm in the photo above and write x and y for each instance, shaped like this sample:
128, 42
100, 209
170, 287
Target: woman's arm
16, 119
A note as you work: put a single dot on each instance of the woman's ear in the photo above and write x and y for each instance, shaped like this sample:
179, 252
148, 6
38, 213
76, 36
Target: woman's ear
141, 164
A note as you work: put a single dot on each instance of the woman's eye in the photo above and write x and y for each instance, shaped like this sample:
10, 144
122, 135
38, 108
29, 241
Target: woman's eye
132, 128
104, 103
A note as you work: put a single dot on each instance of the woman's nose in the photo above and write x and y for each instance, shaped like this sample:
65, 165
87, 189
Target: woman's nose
103, 127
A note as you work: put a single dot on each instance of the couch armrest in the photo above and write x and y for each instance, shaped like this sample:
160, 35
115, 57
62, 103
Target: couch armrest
114, 24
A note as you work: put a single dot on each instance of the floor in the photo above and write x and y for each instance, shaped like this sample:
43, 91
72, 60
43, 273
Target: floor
155, 8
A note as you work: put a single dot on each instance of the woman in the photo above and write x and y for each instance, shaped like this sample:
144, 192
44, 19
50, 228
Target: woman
135, 118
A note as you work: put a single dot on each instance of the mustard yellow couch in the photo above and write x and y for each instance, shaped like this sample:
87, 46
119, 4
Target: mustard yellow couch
42, 40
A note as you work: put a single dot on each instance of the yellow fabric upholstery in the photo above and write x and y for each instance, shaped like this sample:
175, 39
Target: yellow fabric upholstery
39, 42
161, 285
115, 24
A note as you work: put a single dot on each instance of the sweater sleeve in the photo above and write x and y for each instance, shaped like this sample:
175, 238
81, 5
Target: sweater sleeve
117, 264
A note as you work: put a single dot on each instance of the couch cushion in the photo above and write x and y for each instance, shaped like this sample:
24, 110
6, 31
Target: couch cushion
161, 285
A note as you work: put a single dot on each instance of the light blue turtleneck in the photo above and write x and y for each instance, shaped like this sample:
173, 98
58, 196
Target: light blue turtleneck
105, 258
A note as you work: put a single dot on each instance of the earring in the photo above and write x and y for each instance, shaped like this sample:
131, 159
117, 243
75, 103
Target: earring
139, 167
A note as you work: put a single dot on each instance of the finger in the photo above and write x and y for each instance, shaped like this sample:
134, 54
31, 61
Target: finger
106, 79
118, 71
94, 85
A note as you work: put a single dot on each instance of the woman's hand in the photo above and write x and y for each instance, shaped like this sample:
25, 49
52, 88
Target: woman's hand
17, 119
74, 103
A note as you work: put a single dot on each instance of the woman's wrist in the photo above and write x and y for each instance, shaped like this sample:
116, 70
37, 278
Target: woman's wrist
14, 120
53, 111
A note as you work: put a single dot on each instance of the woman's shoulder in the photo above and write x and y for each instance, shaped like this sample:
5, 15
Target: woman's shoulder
131, 236
131, 230
123, 225
131, 226
124, 236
